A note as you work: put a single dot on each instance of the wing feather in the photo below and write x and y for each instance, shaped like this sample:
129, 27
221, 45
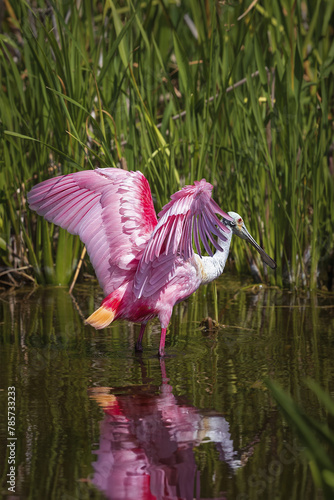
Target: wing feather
202, 234
112, 212
196, 238
209, 229
189, 216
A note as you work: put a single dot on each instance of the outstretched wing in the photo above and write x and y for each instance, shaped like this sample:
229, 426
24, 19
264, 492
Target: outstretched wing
190, 215
112, 212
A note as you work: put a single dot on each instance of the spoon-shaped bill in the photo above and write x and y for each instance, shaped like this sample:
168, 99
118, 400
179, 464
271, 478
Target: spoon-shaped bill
265, 257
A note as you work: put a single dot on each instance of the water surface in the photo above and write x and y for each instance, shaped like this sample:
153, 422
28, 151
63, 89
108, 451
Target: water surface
96, 420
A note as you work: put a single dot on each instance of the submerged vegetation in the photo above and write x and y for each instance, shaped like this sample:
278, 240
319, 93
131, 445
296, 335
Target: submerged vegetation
239, 93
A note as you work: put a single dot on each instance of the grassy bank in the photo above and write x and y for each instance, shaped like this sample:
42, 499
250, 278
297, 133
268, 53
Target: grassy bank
238, 93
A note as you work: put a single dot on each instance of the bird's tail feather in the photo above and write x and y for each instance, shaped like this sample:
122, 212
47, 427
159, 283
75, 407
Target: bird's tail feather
101, 318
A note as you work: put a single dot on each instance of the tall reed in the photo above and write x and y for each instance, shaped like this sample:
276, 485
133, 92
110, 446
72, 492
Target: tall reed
151, 86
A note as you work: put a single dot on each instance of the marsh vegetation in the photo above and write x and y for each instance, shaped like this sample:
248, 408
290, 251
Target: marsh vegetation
239, 94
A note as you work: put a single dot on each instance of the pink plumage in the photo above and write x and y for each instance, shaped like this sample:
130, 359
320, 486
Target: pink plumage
144, 265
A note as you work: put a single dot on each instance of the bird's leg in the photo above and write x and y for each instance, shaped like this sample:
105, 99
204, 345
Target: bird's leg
162, 342
138, 346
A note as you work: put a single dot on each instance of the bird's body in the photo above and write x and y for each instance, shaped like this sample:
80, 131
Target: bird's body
144, 265
124, 302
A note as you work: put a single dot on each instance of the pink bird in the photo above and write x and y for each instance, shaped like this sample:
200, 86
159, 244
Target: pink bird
145, 266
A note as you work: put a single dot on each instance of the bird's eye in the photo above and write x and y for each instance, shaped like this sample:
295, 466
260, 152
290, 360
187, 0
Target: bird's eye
240, 221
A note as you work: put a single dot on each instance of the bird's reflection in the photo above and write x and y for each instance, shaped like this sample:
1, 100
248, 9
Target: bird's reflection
147, 441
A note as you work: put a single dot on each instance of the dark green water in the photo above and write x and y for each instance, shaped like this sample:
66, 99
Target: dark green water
96, 420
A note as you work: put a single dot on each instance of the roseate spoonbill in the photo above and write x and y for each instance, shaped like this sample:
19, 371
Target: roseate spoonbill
144, 265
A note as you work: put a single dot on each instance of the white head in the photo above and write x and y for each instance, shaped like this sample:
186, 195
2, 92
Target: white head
239, 229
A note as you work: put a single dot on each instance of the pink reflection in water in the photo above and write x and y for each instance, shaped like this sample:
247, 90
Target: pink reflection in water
147, 441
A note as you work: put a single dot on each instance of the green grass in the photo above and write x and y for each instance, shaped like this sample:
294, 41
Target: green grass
317, 437
96, 86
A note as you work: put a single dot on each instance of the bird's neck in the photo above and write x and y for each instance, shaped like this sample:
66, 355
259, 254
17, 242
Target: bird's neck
212, 267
